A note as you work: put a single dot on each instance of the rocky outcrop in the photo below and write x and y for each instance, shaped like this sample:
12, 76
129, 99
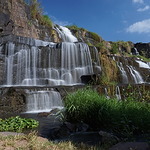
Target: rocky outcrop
12, 102
143, 49
23, 24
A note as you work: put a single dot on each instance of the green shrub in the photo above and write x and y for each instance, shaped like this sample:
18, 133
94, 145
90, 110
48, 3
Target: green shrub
75, 27
95, 36
100, 45
17, 124
115, 48
45, 20
123, 117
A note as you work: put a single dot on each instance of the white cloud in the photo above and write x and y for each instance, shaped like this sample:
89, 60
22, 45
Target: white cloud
140, 27
144, 9
59, 22
138, 1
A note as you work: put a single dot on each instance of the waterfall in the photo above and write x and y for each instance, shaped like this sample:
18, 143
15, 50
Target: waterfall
136, 75
30, 62
143, 64
148, 64
65, 34
118, 94
37, 66
42, 100
106, 93
135, 52
123, 73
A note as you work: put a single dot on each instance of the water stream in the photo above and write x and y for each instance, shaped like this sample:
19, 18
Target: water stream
31, 62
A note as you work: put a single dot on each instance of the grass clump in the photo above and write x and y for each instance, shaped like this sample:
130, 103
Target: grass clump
122, 117
17, 124
115, 48
75, 27
95, 36
143, 58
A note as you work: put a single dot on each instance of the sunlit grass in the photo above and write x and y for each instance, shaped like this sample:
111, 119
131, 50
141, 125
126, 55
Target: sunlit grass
122, 117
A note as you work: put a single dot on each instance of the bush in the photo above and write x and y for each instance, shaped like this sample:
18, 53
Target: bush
17, 124
123, 117
115, 48
95, 36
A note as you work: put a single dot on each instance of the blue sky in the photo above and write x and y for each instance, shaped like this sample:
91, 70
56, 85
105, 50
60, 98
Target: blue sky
113, 20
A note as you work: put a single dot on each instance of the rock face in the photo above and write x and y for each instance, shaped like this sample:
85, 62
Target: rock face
143, 49
12, 102
16, 19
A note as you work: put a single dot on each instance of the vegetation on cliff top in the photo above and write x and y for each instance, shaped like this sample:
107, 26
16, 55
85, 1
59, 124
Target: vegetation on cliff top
89, 34
37, 13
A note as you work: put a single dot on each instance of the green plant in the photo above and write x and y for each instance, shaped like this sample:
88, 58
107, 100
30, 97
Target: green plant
123, 117
143, 58
95, 36
37, 13
17, 124
115, 48
45, 20
89, 44
100, 45
75, 27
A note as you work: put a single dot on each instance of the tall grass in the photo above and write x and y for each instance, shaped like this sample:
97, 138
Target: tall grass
124, 117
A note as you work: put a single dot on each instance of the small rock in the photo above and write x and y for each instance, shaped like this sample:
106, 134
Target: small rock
108, 137
43, 114
82, 127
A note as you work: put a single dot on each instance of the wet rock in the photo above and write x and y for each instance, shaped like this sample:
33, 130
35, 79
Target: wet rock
43, 114
89, 138
87, 79
108, 138
82, 127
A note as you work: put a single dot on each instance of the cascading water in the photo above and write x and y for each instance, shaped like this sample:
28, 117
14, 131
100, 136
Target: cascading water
136, 75
30, 62
143, 64
42, 100
123, 73
135, 52
106, 93
36, 66
118, 94
65, 34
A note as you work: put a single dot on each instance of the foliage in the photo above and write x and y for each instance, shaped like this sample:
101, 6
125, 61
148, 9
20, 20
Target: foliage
89, 44
92, 35
46, 20
95, 36
143, 58
37, 13
100, 45
122, 117
17, 124
115, 48
138, 93
75, 27
124, 46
